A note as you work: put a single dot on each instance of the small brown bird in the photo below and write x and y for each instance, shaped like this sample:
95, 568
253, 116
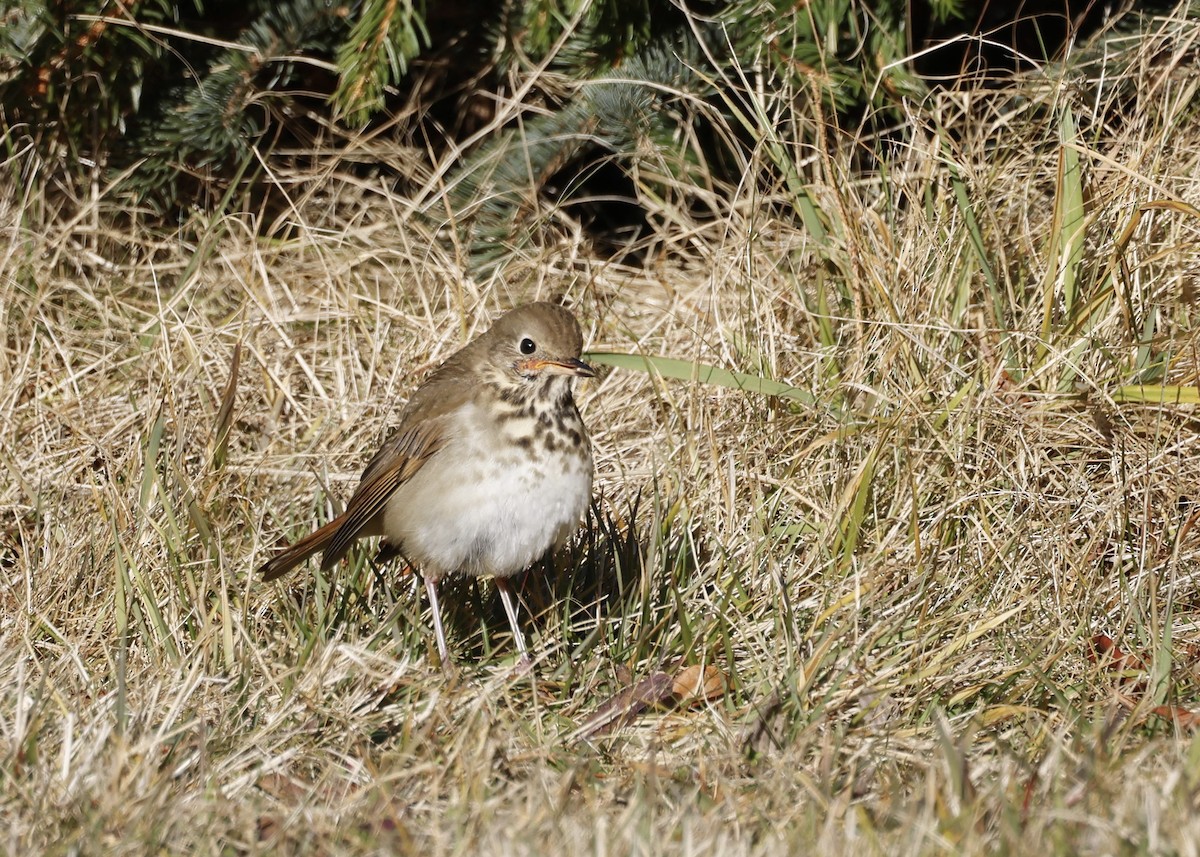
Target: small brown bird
489, 468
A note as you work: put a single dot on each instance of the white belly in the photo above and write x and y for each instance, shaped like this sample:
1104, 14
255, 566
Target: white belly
480, 512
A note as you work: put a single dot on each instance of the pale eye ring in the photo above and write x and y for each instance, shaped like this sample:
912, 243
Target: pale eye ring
528, 346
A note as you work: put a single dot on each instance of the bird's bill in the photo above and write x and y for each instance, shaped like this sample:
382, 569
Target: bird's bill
572, 366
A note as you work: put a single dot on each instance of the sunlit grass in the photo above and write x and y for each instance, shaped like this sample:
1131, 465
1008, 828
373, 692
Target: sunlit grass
890, 477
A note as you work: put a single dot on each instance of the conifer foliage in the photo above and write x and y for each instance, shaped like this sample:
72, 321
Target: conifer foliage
174, 100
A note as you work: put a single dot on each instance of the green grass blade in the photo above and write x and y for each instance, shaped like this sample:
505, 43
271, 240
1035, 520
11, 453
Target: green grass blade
963, 200
691, 370
1064, 254
1168, 394
1072, 220
853, 504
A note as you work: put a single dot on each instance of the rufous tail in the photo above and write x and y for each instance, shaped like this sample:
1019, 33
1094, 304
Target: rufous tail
282, 563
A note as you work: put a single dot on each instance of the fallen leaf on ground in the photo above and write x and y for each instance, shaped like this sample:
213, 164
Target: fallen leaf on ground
625, 706
699, 684
1106, 653
1180, 716
691, 684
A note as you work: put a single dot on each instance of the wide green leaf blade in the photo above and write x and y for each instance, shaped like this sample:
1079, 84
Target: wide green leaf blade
1169, 394
691, 370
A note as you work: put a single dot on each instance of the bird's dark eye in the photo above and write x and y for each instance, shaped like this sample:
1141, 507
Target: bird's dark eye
528, 346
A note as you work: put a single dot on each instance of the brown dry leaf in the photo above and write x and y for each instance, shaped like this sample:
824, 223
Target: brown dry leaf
698, 683
1180, 716
287, 790
1106, 653
623, 707
689, 685
268, 827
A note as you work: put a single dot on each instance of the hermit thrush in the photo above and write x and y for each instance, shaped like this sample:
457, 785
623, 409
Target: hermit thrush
489, 468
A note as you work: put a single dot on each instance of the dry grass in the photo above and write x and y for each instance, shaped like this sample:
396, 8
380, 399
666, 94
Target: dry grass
902, 583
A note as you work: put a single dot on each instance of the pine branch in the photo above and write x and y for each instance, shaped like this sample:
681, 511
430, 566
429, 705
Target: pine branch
620, 117
386, 37
218, 121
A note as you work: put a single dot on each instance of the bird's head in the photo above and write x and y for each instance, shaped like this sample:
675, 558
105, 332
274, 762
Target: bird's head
534, 341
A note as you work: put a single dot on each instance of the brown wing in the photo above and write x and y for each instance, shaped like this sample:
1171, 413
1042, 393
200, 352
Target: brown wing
395, 463
424, 424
